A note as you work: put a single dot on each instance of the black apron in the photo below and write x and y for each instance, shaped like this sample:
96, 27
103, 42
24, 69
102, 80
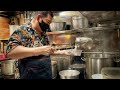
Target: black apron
36, 67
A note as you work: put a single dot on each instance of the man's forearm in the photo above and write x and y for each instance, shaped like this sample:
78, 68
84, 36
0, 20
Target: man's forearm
22, 52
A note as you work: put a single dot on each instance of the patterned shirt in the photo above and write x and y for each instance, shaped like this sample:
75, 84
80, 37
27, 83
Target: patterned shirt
27, 37
31, 67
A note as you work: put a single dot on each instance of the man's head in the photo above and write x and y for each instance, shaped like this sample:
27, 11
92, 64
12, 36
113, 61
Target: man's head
44, 18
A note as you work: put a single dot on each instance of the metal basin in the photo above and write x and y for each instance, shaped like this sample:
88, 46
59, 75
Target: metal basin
69, 74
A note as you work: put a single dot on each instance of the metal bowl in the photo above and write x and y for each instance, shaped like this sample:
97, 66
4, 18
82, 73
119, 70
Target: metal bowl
69, 74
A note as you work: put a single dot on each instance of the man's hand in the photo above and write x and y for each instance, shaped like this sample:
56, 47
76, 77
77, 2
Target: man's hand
63, 52
44, 50
71, 52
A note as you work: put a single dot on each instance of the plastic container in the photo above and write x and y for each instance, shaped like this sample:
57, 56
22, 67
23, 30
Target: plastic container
111, 72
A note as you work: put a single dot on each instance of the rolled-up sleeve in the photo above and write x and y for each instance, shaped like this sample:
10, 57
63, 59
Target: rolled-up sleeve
14, 41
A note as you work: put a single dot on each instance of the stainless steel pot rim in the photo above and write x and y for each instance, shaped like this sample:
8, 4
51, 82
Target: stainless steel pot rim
100, 57
78, 66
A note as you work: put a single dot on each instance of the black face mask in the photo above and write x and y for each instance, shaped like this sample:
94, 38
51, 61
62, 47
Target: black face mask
45, 27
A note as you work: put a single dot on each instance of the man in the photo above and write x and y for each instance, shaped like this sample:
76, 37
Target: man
29, 44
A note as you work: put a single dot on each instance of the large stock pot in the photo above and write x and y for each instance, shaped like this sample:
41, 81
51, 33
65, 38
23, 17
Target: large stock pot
95, 62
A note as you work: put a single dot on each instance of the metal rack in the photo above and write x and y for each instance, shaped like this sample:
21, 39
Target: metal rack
102, 16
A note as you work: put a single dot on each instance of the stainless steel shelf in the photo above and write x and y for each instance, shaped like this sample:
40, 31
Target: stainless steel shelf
73, 31
102, 16
111, 20
82, 30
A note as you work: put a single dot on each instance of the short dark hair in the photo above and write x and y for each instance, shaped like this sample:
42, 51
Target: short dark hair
44, 13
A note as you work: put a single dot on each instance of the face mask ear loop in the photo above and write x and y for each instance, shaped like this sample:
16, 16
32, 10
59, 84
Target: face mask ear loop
39, 17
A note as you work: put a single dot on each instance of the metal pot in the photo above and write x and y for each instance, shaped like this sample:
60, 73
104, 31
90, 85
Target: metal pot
54, 69
8, 67
96, 62
80, 68
69, 74
63, 62
79, 22
57, 26
84, 43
